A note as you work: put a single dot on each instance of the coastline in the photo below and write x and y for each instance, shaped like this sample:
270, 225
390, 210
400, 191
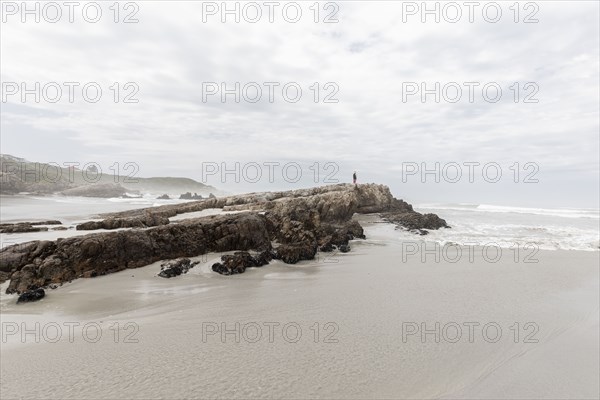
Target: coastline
559, 294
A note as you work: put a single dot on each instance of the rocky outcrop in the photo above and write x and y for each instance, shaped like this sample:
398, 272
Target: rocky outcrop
415, 221
290, 226
177, 267
146, 220
31, 295
104, 190
190, 196
163, 197
21, 227
40, 263
237, 262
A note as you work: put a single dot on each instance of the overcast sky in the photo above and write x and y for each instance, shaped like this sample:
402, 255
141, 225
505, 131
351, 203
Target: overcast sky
369, 55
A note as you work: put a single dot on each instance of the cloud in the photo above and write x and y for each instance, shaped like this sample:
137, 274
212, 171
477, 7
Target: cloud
368, 55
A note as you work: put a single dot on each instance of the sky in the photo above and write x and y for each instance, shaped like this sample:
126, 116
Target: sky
374, 65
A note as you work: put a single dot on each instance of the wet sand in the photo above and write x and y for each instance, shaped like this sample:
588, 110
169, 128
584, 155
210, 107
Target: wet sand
363, 304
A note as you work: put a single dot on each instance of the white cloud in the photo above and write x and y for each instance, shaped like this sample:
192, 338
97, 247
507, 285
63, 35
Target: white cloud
368, 54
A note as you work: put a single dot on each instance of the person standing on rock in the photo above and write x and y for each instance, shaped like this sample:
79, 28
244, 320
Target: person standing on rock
354, 177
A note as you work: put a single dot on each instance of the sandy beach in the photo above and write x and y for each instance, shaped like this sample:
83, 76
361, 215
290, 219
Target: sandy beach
341, 326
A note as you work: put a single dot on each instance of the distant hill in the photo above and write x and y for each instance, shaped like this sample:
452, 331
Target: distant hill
18, 175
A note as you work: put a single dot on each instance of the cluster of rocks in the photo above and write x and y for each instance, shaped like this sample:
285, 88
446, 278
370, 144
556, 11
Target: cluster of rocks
21, 227
414, 221
190, 196
237, 262
290, 226
177, 267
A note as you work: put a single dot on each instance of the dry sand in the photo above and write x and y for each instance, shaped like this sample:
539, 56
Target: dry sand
357, 302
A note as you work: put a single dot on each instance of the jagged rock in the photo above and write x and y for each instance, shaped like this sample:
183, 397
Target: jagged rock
20, 227
415, 221
147, 220
344, 248
211, 196
296, 223
31, 295
292, 253
237, 262
190, 196
177, 267
163, 197
40, 263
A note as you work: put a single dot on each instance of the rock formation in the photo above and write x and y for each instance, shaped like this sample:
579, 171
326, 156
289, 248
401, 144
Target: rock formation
31, 295
21, 227
290, 226
146, 220
190, 196
237, 262
177, 267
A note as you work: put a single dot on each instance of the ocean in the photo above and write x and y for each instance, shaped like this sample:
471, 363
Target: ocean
472, 224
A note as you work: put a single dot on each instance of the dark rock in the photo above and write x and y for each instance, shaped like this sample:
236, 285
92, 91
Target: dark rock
327, 246
344, 248
31, 295
163, 197
296, 222
211, 196
42, 263
415, 221
190, 196
237, 262
177, 267
144, 221
21, 228
292, 253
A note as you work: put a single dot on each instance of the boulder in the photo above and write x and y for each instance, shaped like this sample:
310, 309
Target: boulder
237, 262
177, 267
31, 295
